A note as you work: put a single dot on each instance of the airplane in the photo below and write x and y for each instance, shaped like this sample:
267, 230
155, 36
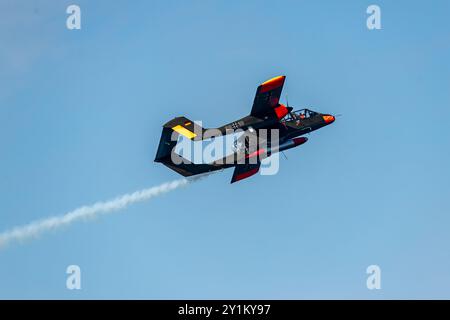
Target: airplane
267, 113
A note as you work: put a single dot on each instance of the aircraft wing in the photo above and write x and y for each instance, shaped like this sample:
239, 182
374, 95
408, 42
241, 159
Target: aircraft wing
250, 147
267, 99
243, 171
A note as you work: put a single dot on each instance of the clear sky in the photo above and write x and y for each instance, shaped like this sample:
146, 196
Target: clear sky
81, 114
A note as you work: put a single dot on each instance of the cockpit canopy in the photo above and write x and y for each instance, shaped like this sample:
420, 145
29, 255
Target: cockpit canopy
300, 114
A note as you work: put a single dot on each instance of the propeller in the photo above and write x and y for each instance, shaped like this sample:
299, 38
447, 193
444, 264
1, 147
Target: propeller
287, 105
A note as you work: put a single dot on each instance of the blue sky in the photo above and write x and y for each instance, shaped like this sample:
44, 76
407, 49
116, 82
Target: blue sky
81, 114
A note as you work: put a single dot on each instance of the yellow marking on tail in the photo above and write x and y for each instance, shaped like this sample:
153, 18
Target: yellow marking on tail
185, 132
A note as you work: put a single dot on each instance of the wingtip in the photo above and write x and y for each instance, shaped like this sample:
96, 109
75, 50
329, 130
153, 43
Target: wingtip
274, 79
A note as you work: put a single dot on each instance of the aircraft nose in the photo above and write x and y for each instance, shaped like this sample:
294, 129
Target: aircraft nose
328, 118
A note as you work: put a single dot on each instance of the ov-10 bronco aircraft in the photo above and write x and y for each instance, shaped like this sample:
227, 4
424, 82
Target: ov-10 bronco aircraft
267, 113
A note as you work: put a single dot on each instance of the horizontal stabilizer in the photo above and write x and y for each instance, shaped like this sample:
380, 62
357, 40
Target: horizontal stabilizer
186, 127
166, 150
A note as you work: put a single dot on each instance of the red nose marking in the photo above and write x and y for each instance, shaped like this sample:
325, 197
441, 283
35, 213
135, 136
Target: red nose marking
328, 119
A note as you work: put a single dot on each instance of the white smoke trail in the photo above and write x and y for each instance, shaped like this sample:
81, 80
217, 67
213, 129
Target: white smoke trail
36, 228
